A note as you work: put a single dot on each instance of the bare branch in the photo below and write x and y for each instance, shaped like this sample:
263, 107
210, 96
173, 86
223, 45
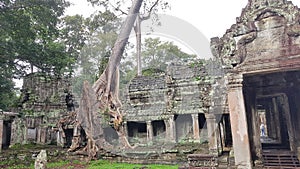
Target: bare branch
118, 9
150, 11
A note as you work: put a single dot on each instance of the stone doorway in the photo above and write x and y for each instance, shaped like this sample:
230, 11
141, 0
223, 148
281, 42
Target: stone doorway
272, 99
137, 132
184, 127
159, 131
6, 134
273, 119
69, 137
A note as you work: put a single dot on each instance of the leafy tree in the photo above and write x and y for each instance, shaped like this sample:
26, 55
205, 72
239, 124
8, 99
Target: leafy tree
32, 36
29, 34
94, 56
7, 93
158, 54
149, 7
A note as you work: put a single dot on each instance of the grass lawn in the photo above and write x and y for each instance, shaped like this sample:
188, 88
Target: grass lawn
99, 164
103, 164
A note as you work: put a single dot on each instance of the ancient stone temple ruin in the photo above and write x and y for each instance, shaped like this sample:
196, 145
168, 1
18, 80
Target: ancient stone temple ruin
44, 100
253, 79
174, 107
261, 54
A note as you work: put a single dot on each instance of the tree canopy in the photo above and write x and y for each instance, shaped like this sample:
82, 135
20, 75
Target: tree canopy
157, 54
35, 35
29, 35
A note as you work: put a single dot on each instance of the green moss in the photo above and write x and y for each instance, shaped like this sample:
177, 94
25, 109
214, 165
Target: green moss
152, 72
198, 63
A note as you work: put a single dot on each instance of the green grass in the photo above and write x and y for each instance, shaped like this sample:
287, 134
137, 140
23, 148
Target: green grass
57, 164
104, 164
98, 164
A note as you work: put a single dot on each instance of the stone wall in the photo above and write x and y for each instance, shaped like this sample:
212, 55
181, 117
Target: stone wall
146, 99
175, 103
262, 57
182, 90
43, 102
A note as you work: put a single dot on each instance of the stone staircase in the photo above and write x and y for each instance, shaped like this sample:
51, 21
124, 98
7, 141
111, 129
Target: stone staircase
280, 159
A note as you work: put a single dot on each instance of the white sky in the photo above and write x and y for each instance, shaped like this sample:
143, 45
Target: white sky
211, 18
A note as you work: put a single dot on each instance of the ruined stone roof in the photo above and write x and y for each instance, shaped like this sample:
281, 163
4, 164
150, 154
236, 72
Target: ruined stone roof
264, 38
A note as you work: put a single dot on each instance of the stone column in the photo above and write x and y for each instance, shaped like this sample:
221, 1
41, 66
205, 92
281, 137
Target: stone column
125, 128
170, 129
196, 130
276, 119
290, 127
149, 132
211, 132
1, 133
238, 121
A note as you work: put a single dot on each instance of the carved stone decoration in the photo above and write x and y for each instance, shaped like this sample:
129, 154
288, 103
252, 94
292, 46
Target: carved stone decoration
255, 8
242, 52
216, 46
231, 49
294, 29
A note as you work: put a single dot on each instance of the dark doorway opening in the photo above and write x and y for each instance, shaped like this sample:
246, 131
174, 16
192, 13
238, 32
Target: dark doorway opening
272, 99
137, 132
273, 123
159, 130
184, 127
6, 134
69, 137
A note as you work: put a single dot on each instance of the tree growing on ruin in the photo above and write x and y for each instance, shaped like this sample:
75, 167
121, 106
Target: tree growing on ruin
104, 94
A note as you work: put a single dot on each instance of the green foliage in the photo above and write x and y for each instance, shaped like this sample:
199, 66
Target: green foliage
157, 54
152, 72
29, 34
94, 56
198, 63
32, 35
8, 97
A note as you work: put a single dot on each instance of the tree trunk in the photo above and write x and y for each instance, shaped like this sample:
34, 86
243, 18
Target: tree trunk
138, 35
104, 94
107, 86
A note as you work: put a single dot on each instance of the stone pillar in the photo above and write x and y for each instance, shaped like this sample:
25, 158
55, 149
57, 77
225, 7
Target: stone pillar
277, 118
212, 134
125, 128
241, 146
196, 130
170, 129
1, 133
149, 132
290, 127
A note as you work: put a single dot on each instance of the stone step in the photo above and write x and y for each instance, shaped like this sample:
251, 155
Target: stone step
285, 159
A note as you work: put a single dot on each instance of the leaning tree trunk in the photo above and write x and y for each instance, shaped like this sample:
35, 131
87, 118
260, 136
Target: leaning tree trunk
105, 93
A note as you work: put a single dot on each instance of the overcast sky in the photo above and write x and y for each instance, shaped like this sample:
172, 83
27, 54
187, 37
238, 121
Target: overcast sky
211, 17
